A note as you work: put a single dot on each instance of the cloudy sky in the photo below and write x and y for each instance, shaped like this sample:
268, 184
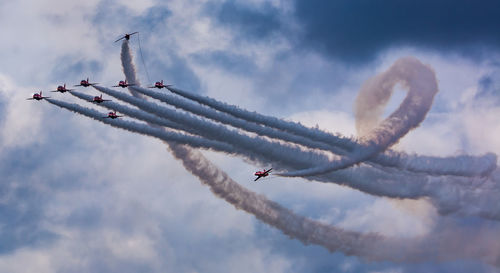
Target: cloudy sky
79, 196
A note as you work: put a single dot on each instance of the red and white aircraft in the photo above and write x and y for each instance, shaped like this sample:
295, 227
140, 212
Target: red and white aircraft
124, 84
160, 85
86, 83
98, 99
38, 96
62, 89
112, 115
263, 173
126, 36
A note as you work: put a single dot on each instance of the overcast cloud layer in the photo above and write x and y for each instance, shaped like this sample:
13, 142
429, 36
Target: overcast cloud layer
79, 196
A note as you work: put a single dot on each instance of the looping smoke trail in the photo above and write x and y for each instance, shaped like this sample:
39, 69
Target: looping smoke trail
448, 194
369, 246
463, 165
422, 86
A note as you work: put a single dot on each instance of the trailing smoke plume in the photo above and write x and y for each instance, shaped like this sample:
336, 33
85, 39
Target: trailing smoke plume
131, 112
449, 194
282, 155
233, 121
472, 196
144, 129
462, 165
368, 246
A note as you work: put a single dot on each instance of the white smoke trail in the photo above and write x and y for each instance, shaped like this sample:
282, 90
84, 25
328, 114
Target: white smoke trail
373, 181
239, 123
257, 149
230, 120
145, 129
437, 246
369, 246
242, 144
134, 113
463, 165
272, 122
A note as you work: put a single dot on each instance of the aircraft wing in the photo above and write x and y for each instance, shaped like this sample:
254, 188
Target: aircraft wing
77, 85
30, 99
115, 86
55, 91
257, 178
133, 33
120, 39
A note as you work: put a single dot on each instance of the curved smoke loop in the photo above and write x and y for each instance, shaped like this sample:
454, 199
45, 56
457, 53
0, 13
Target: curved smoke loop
374, 95
366, 245
460, 189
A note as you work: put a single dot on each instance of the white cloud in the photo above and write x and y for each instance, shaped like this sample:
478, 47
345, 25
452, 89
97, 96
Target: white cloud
22, 121
16, 262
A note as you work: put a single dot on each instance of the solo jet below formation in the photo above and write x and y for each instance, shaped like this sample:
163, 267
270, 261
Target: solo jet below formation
160, 85
98, 99
62, 89
86, 83
38, 96
260, 174
112, 115
123, 84
126, 36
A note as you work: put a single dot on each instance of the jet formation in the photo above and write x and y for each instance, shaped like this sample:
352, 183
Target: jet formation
122, 83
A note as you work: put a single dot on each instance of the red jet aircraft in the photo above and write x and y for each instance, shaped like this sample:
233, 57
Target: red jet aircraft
98, 99
86, 83
62, 89
38, 96
126, 36
112, 115
260, 174
124, 84
160, 85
